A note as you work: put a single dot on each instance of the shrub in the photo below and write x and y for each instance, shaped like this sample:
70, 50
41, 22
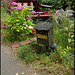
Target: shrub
59, 3
65, 56
55, 62
3, 13
44, 59
65, 32
64, 37
18, 21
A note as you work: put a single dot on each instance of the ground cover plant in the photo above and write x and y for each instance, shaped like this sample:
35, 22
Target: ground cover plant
43, 60
58, 3
17, 23
3, 13
65, 40
61, 61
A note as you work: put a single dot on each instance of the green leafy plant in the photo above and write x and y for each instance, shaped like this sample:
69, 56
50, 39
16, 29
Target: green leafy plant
25, 54
3, 13
18, 21
58, 3
65, 56
65, 32
64, 37
42, 61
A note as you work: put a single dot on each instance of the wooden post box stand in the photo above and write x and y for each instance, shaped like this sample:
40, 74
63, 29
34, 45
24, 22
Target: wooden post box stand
44, 33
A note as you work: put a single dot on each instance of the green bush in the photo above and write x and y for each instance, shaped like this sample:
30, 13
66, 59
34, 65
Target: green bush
17, 23
25, 53
3, 13
65, 56
55, 62
58, 3
64, 33
44, 59
64, 37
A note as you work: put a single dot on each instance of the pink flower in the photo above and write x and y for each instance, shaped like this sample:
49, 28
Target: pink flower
27, 9
20, 8
14, 8
23, 8
3, 26
14, 3
17, 13
33, 12
28, 18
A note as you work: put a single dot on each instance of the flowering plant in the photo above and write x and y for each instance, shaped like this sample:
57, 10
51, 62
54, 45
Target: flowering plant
19, 20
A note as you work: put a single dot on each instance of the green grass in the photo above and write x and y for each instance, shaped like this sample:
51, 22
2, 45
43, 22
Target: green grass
41, 59
37, 54
57, 62
4, 14
63, 33
11, 38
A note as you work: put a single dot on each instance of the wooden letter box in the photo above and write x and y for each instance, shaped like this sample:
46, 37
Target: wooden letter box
44, 33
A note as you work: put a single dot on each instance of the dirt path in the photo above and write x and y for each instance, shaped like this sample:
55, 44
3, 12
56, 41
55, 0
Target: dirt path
10, 65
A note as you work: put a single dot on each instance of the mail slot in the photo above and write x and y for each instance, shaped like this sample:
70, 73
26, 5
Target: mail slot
44, 33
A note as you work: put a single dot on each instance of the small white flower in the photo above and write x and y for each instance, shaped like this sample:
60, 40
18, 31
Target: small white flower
24, 27
24, 24
30, 27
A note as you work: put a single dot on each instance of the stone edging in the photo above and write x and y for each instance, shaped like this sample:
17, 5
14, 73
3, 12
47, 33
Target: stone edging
16, 45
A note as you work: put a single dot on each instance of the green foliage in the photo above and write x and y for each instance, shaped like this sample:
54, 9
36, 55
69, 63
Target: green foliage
42, 61
65, 33
54, 56
17, 26
64, 37
15, 22
3, 13
11, 38
66, 56
26, 54
58, 3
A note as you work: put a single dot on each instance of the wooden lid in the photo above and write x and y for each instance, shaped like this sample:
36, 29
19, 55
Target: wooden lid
44, 26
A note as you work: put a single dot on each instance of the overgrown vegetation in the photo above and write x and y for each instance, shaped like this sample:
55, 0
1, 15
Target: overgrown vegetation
58, 3
59, 61
3, 13
41, 59
16, 25
65, 32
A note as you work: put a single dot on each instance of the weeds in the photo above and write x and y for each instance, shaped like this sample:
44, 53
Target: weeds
36, 53
26, 54
63, 34
3, 13
12, 38
59, 61
41, 61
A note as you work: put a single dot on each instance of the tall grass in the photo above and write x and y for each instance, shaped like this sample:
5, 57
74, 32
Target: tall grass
43, 60
63, 33
3, 13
